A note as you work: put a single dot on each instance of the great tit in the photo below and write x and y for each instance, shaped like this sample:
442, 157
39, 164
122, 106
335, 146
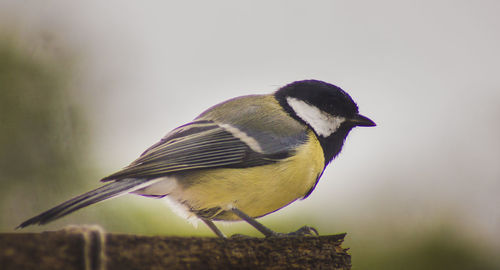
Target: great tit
239, 160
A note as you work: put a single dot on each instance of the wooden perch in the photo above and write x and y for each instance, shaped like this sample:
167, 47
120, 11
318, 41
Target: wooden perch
92, 249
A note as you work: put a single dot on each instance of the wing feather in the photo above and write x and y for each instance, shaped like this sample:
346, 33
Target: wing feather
189, 148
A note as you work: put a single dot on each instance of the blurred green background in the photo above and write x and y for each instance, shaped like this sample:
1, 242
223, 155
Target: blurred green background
85, 88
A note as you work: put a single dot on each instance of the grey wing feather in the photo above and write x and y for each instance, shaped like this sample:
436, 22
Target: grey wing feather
194, 146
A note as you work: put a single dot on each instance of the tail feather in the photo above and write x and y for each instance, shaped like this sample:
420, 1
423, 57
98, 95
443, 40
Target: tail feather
105, 192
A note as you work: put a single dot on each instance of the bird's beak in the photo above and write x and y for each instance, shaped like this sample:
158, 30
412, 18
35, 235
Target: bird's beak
362, 121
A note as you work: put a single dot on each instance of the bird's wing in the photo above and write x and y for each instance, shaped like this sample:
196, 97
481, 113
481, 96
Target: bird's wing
246, 137
198, 145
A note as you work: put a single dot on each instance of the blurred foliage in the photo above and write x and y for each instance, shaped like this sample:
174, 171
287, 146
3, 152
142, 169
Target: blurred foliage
42, 134
441, 247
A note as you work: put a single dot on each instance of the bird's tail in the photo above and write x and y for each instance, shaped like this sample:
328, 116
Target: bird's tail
108, 191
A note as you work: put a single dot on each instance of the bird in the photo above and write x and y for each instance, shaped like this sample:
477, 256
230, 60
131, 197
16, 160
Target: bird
239, 160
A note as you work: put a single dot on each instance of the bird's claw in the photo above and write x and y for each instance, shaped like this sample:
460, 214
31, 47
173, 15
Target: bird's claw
305, 231
241, 236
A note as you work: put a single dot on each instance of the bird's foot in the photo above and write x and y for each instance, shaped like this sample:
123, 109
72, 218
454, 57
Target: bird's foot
242, 236
305, 231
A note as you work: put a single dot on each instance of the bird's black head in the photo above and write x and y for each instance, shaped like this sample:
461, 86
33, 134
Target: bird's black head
326, 109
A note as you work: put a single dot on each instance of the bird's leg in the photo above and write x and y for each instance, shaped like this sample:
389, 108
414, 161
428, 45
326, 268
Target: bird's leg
214, 228
257, 225
304, 231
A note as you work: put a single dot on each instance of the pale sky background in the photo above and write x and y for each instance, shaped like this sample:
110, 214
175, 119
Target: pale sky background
427, 72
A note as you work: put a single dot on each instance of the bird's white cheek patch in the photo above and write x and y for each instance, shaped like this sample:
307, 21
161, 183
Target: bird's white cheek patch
323, 123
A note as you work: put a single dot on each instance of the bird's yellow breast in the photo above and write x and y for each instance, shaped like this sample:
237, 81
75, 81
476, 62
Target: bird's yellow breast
256, 191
